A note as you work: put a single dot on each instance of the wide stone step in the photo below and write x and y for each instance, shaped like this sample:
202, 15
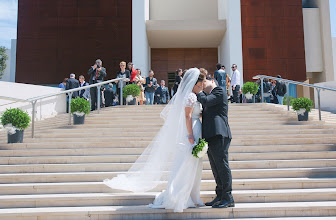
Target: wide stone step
242, 210
24, 152
235, 132
121, 167
129, 199
206, 175
149, 137
143, 141
206, 185
132, 158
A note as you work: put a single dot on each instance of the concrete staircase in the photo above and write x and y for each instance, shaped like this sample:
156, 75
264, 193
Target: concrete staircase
281, 167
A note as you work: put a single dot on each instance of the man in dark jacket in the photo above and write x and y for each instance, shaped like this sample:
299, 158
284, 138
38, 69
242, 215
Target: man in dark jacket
96, 73
72, 83
109, 95
216, 130
281, 90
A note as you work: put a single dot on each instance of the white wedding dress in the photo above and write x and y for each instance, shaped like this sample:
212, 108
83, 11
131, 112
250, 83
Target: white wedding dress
183, 188
168, 158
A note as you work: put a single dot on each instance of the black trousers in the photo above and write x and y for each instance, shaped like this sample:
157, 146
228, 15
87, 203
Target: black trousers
235, 94
219, 161
93, 93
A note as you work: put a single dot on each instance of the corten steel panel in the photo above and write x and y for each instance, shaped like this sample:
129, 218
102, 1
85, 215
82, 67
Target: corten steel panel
165, 60
273, 39
59, 37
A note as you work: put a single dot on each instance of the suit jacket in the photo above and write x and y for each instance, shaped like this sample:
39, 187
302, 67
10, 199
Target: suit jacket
125, 74
109, 97
220, 76
85, 93
72, 83
100, 77
163, 95
215, 113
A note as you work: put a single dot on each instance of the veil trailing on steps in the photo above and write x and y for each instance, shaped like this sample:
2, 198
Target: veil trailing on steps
156, 163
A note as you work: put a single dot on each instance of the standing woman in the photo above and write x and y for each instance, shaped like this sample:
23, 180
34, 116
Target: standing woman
178, 79
123, 73
140, 81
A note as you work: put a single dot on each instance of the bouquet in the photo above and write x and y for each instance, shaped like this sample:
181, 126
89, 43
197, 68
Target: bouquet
200, 149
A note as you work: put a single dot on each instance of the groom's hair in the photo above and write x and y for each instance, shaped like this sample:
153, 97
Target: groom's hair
210, 78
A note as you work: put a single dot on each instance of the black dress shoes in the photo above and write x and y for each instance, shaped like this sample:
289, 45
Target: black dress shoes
217, 199
224, 204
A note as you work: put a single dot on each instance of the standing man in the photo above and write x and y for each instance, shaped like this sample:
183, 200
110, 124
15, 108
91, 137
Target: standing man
235, 82
125, 74
281, 90
72, 83
162, 93
216, 131
150, 87
96, 73
85, 93
220, 76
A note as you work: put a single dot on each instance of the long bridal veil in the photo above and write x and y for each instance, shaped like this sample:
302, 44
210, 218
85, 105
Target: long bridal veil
156, 162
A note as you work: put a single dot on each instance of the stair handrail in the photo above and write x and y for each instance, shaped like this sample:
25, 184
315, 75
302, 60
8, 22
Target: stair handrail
287, 82
69, 93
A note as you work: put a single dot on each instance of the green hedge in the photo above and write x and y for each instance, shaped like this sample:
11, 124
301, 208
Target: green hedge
15, 116
131, 89
250, 87
80, 105
299, 103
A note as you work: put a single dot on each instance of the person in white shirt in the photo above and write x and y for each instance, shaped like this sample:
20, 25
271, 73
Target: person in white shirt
235, 83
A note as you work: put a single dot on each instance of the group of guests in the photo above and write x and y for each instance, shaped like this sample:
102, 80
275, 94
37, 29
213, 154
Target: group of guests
150, 91
273, 91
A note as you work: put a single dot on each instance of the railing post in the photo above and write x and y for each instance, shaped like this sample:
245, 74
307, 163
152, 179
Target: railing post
69, 106
33, 117
98, 98
288, 103
262, 90
319, 103
121, 91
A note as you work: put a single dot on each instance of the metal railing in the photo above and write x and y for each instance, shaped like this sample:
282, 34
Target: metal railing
69, 92
287, 82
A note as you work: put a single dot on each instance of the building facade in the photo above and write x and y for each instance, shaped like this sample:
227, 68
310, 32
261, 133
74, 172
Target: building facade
270, 37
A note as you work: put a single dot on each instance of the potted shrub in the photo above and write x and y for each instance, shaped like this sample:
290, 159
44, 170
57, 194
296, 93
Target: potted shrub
15, 121
250, 89
130, 92
302, 106
79, 108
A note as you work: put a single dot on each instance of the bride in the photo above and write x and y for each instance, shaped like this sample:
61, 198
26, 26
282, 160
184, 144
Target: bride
168, 157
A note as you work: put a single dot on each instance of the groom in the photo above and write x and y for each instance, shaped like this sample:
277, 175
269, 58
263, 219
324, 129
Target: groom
216, 131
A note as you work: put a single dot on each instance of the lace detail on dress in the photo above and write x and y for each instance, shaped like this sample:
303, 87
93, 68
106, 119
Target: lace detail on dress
190, 100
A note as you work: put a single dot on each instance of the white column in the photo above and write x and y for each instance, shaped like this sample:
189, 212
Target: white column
13, 61
231, 48
140, 56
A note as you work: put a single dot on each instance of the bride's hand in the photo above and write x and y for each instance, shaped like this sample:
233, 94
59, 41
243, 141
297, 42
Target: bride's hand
191, 139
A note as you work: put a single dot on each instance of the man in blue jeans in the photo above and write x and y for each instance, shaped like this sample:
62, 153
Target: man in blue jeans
150, 87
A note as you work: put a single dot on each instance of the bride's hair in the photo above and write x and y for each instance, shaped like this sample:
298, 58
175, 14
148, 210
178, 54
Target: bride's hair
202, 75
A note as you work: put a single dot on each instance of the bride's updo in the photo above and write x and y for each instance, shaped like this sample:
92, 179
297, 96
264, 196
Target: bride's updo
202, 76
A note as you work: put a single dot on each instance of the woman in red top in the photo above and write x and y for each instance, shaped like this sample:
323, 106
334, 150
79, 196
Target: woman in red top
132, 71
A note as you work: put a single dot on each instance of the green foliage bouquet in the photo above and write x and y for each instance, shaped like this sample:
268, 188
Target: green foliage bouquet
80, 106
200, 149
302, 103
15, 119
131, 89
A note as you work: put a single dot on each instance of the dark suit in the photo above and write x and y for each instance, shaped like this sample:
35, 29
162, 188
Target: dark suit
162, 95
92, 80
72, 83
109, 96
216, 131
85, 93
